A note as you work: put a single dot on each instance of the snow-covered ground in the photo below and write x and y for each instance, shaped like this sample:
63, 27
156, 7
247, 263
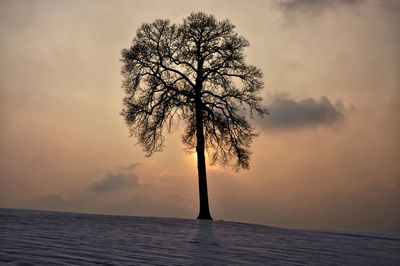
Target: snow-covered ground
41, 237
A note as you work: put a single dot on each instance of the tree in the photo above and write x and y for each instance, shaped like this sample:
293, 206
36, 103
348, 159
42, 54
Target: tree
195, 72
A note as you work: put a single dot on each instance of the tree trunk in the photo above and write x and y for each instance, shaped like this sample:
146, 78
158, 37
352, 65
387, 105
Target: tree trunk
201, 165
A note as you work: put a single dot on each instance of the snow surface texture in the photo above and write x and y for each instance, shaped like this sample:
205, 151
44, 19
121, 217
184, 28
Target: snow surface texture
41, 237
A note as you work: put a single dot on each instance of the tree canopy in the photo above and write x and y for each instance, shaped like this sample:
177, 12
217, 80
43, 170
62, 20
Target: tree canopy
196, 72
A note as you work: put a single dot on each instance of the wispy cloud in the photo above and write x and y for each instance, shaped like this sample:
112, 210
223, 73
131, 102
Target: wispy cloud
121, 191
311, 7
131, 166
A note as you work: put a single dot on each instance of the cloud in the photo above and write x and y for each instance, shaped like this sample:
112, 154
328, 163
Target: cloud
373, 201
397, 182
120, 177
391, 6
130, 197
17, 16
311, 7
50, 202
114, 182
288, 113
131, 166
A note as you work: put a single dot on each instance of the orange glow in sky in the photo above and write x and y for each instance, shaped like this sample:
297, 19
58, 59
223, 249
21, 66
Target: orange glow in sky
327, 157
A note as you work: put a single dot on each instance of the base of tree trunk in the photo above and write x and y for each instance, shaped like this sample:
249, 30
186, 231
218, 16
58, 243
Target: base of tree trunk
204, 217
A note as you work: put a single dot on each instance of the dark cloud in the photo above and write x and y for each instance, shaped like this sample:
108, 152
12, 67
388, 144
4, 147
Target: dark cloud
114, 182
311, 7
288, 113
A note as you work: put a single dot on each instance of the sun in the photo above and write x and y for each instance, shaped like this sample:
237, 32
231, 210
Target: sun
194, 156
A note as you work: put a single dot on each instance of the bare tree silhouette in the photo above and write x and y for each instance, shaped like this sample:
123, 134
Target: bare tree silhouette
195, 72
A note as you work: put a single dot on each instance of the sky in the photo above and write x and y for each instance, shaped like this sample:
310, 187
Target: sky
327, 157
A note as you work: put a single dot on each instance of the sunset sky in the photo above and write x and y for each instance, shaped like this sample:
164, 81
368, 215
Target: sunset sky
327, 157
